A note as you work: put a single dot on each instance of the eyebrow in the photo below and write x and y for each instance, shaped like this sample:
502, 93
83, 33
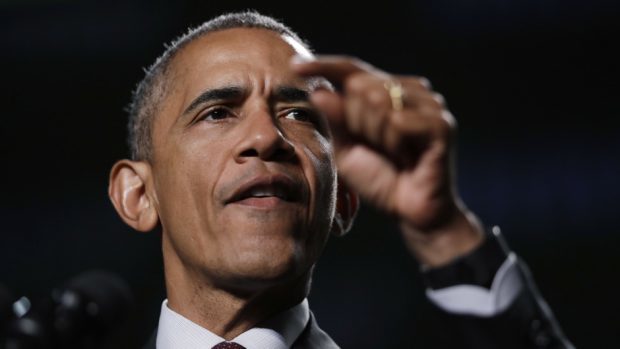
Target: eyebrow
216, 94
287, 94
290, 94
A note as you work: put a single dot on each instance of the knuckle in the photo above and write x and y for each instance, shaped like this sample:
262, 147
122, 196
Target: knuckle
377, 97
356, 83
399, 121
410, 82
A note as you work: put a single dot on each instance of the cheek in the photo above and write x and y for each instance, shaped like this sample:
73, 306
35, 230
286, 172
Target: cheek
321, 174
189, 210
185, 183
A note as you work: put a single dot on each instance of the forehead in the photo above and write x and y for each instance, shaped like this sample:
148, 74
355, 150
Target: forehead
254, 59
235, 54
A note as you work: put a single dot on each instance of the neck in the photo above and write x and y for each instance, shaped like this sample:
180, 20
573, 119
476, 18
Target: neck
226, 311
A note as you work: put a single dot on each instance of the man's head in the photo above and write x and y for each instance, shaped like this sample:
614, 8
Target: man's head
232, 159
152, 89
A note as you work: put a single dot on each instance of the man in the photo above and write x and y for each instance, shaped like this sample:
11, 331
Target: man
247, 158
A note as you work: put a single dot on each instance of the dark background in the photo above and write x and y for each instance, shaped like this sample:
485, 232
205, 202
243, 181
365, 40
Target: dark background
533, 84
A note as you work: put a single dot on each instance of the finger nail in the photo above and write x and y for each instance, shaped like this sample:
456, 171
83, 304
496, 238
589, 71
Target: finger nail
300, 59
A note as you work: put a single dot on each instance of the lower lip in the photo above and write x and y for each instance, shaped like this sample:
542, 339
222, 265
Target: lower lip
264, 202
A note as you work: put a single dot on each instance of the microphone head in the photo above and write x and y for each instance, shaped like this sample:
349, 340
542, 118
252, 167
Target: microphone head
93, 302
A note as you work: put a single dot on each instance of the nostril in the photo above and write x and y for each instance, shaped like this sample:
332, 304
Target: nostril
249, 153
285, 153
276, 155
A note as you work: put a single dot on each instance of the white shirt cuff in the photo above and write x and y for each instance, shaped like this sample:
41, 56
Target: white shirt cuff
479, 301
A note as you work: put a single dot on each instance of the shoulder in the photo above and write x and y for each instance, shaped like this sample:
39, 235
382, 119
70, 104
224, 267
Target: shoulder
313, 337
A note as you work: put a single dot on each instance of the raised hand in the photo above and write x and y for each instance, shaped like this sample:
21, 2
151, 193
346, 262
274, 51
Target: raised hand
394, 145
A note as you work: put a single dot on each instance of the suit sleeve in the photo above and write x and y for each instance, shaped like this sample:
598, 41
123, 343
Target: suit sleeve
488, 299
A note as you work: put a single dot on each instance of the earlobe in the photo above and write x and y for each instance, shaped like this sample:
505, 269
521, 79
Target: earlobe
347, 205
128, 192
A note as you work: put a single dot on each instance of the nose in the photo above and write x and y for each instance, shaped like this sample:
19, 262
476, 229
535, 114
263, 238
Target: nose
261, 138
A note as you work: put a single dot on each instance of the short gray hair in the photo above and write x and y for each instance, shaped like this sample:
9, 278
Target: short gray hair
151, 90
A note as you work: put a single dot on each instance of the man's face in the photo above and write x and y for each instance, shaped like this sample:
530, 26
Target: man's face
243, 171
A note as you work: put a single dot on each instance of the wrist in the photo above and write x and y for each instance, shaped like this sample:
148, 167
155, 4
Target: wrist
478, 267
460, 234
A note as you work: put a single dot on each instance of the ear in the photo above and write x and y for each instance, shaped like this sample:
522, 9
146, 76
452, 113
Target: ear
128, 191
347, 204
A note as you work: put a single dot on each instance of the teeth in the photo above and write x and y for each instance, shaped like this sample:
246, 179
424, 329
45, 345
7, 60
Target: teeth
267, 191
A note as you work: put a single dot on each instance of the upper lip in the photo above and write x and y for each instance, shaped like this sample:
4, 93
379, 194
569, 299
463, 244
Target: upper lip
278, 185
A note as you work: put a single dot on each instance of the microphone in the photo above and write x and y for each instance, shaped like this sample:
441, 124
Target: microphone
78, 314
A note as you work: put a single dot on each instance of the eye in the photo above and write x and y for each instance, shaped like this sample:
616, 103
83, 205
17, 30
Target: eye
216, 113
303, 115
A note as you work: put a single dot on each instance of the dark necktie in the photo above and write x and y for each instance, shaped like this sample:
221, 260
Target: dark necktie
228, 345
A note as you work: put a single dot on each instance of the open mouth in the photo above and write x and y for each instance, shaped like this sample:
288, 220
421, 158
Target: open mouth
267, 190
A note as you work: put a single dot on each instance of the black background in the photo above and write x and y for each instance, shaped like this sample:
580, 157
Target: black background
533, 84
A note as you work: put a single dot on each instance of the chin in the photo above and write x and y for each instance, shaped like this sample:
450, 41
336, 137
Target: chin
267, 267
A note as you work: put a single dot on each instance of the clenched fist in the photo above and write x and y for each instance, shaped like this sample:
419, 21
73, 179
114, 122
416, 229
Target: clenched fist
394, 145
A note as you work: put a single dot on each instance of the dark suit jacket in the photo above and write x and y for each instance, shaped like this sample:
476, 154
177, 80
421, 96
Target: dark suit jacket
527, 324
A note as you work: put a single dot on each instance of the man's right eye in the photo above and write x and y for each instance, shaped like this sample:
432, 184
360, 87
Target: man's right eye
218, 113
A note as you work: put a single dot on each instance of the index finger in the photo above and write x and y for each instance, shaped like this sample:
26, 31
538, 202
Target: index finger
334, 68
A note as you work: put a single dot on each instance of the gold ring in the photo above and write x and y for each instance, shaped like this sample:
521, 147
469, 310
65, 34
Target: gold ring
395, 90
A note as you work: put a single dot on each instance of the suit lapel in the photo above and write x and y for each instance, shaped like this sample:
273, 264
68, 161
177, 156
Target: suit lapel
152, 341
313, 337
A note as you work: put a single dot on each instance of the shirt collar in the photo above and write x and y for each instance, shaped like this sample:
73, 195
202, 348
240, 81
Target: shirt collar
279, 332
